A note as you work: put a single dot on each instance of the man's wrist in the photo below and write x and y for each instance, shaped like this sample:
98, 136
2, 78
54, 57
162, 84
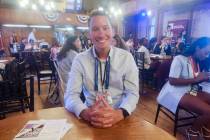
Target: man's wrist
124, 113
84, 114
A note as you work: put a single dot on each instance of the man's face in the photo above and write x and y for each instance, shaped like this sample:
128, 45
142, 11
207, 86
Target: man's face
100, 32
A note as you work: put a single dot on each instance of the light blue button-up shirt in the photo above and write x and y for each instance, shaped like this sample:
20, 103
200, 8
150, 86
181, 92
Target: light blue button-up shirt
123, 82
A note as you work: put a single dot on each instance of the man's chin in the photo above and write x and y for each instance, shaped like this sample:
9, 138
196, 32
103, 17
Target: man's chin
102, 46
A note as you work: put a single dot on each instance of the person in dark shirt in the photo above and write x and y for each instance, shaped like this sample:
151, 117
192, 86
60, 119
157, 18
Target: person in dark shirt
164, 47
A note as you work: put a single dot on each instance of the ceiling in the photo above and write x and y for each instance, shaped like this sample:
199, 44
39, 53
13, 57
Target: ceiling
87, 4
93, 4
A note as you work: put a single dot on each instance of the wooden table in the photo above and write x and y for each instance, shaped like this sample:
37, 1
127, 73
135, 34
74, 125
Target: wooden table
6, 60
133, 128
160, 57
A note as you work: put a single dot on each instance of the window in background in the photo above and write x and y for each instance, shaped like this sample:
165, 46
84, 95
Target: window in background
73, 5
152, 27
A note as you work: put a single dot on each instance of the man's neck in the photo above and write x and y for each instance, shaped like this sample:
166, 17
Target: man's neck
102, 53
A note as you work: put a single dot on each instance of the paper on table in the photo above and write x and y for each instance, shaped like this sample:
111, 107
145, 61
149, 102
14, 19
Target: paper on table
42, 130
66, 128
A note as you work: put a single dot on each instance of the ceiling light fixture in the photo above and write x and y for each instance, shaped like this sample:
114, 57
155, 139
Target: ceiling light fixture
40, 26
15, 25
34, 7
101, 9
82, 28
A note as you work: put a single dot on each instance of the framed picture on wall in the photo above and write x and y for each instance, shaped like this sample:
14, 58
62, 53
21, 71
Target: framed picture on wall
176, 29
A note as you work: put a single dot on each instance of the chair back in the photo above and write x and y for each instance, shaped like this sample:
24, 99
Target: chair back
60, 83
139, 58
13, 84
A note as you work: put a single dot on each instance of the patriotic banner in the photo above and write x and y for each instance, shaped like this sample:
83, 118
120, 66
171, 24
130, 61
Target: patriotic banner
51, 16
82, 18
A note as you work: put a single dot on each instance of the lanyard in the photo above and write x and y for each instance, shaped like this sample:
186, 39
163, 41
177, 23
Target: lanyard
194, 67
104, 77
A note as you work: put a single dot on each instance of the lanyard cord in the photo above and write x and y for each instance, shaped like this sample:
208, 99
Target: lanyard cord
104, 77
194, 67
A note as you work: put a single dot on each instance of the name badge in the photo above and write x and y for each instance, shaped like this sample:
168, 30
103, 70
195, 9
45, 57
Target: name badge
108, 98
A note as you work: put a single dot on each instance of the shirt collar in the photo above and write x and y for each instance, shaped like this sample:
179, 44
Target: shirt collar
95, 55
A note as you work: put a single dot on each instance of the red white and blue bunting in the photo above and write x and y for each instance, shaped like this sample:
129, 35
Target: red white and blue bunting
51, 16
82, 18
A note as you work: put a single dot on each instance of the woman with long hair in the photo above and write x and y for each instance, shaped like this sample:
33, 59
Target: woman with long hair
55, 48
183, 87
66, 55
119, 42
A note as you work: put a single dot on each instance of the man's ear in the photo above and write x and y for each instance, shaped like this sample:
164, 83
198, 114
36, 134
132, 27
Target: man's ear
113, 32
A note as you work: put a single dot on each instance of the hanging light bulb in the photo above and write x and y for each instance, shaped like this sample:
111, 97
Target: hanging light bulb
23, 3
41, 2
47, 7
52, 5
34, 7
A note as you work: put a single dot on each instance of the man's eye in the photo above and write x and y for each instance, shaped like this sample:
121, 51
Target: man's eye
106, 28
95, 29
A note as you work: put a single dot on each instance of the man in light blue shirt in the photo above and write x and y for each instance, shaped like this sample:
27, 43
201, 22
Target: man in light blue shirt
108, 77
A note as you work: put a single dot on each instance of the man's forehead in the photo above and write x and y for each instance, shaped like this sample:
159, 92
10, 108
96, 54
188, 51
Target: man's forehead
102, 20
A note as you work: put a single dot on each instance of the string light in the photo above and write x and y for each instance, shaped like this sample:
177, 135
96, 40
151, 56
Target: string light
101, 9
35, 4
34, 7
41, 2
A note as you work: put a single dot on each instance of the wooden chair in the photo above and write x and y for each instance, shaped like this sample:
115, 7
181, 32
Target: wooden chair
162, 73
179, 121
13, 92
139, 58
45, 75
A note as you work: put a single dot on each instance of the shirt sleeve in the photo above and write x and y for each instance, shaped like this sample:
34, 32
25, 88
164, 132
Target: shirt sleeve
72, 100
131, 87
147, 57
176, 68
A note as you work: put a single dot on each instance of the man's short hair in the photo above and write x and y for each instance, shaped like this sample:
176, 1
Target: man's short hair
98, 13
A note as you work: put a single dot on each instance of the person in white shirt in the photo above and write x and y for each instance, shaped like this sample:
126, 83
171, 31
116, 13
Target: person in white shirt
64, 59
107, 75
142, 48
183, 89
31, 36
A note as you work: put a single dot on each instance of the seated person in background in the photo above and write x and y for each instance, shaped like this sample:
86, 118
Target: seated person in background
119, 42
107, 76
179, 48
23, 43
31, 36
2, 52
152, 44
143, 43
130, 43
65, 57
44, 45
183, 90
13, 39
55, 48
163, 48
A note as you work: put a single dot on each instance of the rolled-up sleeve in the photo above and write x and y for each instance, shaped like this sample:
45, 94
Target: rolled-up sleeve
131, 86
72, 100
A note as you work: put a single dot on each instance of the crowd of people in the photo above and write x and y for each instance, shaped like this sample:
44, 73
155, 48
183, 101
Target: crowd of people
103, 70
